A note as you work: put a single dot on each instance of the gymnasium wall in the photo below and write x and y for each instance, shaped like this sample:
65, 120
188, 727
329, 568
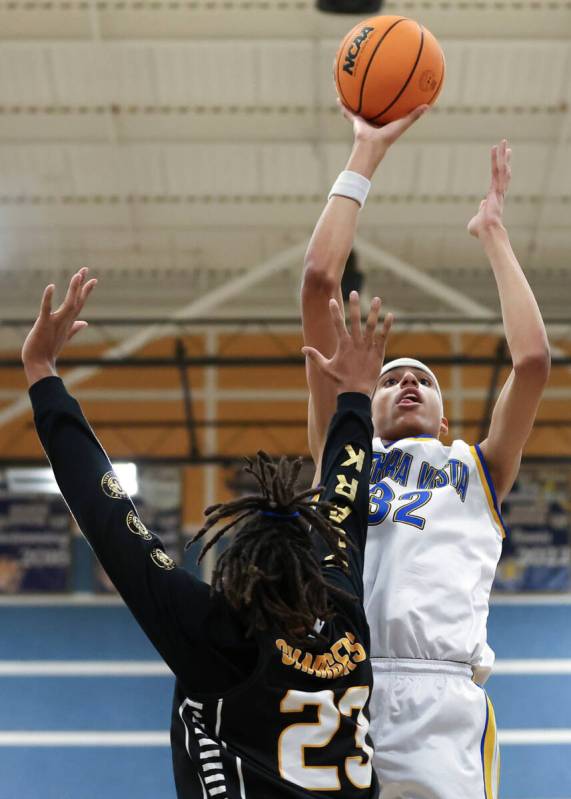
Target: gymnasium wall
139, 415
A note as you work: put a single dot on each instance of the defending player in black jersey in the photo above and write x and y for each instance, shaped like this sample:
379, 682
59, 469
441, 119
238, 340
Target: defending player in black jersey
271, 663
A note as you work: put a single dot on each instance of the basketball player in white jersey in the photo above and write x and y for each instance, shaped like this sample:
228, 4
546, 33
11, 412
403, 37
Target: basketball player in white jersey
435, 526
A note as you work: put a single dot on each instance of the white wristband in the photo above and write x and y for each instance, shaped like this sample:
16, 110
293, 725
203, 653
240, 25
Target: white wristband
352, 185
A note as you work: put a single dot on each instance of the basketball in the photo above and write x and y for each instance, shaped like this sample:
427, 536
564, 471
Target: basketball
386, 66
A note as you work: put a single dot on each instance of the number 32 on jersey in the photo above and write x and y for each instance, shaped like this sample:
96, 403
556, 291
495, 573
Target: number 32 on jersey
383, 500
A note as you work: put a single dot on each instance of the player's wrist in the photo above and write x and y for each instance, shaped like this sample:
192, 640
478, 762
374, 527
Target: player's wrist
351, 185
38, 370
493, 237
354, 387
494, 230
366, 157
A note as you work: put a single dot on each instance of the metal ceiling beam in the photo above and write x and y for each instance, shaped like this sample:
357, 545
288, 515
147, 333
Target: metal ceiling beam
267, 395
413, 323
205, 304
435, 288
257, 361
555, 157
423, 281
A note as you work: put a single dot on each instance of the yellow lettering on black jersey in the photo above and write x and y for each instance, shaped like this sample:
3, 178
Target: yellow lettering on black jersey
355, 458
346, 489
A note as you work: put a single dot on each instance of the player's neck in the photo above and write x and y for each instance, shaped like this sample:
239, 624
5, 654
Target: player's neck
388, 441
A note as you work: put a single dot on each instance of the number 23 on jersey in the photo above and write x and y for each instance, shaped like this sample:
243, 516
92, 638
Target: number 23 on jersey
318, 735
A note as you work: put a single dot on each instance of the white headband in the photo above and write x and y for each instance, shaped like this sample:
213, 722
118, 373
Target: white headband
398, 362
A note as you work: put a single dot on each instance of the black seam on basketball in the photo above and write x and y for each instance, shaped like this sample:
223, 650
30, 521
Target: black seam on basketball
408, 80
379, 43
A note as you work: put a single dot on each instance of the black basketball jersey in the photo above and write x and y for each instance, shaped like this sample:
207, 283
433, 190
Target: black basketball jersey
253, 718
297, 726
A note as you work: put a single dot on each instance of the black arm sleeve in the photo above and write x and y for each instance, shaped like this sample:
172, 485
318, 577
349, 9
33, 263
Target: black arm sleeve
346, 469
170, 604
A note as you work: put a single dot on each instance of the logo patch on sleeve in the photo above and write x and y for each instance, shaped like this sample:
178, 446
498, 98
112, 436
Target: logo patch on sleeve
112, 487
162, 560
136, 526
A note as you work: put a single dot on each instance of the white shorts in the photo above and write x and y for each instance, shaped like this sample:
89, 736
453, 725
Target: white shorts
434, 731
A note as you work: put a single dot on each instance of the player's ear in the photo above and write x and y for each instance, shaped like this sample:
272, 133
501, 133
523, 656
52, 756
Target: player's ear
443, 426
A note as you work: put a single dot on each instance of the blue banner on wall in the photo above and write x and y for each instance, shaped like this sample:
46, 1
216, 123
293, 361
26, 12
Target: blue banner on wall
35, 551
537, 553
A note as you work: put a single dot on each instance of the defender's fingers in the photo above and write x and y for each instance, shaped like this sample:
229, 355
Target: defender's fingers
382, 336
71, 293
338, 319
317, 358
372, 319
495, 165
86, 291
46, 303
79, 287
75, 328
355, 315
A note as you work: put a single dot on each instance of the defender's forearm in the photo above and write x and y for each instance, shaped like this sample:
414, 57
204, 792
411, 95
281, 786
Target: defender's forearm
524, 329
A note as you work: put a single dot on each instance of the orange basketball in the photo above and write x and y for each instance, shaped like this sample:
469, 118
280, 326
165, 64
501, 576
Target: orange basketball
386, 66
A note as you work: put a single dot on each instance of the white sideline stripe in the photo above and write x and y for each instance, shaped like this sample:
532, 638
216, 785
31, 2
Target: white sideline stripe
532, 666
159, 738
89, 599
80, 738
84, 668
530, 599
543, 737
156, 668
78, 598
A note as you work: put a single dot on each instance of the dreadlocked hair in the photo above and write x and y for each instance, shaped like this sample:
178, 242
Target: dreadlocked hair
270, 572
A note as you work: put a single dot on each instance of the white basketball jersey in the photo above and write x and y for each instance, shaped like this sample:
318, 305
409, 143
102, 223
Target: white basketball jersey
434, 541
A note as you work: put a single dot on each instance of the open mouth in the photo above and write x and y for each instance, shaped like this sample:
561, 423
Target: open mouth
409, 399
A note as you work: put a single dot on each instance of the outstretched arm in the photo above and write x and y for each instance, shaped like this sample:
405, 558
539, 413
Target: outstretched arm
516, 407
353, 372
169, 604
325, 261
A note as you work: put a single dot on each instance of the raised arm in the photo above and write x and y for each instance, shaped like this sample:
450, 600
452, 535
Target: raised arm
169, 604
353, 371
516, 407
325, 261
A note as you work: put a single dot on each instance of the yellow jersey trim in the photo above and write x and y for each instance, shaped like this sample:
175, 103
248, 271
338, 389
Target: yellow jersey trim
491, 753
489, 490
389, 444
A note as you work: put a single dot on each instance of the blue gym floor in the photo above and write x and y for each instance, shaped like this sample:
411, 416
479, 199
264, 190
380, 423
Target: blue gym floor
45, 768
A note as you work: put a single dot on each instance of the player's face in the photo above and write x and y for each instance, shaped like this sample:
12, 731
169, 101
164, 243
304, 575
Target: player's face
406, 403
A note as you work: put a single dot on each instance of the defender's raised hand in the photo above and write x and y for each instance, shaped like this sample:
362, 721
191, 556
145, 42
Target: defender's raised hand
490, 213
359, 355
53, 329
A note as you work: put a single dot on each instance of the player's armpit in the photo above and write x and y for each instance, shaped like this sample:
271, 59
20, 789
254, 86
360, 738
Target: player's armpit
512, 422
